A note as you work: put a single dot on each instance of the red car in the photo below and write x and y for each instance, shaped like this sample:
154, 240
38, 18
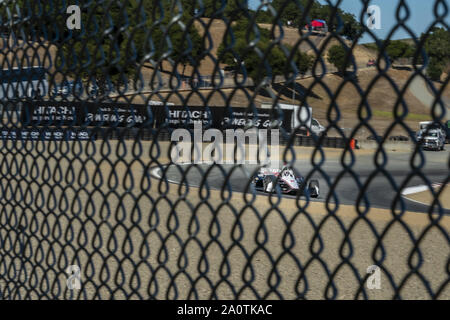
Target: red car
371, 63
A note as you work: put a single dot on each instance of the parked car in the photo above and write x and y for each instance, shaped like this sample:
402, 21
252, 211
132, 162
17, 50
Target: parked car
375, 138
398, 138
371, 63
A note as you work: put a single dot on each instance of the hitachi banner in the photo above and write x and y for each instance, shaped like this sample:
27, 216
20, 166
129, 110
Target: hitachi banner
85, 114
152, 116
220, 117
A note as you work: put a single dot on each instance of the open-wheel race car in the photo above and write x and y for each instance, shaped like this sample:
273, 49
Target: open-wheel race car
289, 182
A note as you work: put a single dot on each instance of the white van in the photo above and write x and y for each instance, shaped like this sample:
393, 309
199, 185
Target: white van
424, 125
433, 140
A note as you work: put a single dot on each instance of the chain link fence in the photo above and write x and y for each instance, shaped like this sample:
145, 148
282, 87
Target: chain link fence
93, 205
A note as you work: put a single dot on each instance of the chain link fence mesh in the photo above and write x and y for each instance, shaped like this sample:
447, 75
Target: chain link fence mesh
98, 189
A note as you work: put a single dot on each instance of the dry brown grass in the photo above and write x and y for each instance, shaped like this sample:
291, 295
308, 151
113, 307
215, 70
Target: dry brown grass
446, 90
294, 37
382, 99
360, 53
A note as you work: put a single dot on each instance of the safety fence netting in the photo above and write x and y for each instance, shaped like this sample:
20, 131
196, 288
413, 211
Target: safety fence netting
128, 129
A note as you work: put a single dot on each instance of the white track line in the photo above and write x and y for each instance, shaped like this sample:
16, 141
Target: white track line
416, 189
156, 172
420, 188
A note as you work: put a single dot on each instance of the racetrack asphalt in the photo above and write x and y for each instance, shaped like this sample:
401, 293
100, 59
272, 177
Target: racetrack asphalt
361, 184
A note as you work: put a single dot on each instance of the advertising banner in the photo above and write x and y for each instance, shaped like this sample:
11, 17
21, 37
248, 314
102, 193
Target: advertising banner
85, 114
152, 116
53, 134
220, 117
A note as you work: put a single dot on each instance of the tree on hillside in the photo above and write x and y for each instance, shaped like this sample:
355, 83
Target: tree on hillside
233, 9
399, 49
161, 38
351, 28
437, 47
303, 61
263, 16
290, 11
337, 55
186, 46
116, 35
242, 58
435, 69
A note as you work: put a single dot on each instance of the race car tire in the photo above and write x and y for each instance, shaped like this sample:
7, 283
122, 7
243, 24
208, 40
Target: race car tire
258, 183
314, 189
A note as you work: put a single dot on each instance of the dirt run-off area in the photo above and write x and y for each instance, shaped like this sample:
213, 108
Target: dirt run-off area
200, 243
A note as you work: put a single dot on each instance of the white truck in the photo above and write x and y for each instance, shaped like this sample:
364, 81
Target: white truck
433, 139
429, 125
301, 117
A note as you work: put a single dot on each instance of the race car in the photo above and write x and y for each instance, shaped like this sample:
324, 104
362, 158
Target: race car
266, 180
